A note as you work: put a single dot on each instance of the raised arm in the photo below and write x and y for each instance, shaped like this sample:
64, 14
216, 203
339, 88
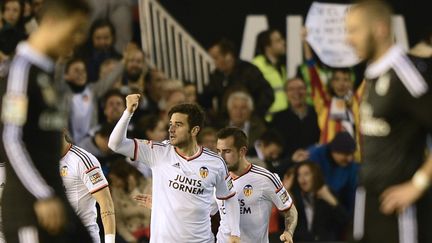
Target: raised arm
118, 141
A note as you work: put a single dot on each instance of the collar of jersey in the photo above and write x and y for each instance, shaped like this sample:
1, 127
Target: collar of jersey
244, 173
377, 68
198, 153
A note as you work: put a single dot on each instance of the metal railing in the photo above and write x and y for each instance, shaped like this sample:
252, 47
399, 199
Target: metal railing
169, 47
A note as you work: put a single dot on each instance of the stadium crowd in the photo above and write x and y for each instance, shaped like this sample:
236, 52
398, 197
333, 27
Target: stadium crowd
303, 128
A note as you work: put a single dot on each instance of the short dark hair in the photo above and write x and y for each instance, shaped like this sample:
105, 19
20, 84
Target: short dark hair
226, 46
264, 40
113, 92
101, 23
72, 61
145, 124
194, 112
272, 137
240, 138
206, 131
65, 8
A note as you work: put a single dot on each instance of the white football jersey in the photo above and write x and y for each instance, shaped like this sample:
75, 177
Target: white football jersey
82, 175
2, 184
257, 190
183, 191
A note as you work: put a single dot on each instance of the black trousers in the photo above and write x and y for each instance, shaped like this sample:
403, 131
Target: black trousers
414, 225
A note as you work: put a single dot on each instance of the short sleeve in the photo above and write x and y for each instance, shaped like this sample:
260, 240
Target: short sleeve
276, 192
92, 176
224, 184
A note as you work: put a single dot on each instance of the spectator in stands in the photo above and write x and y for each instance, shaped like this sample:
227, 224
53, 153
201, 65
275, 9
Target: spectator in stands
190, 91
151, 127
99, 47
106, 68
208, 138
132, 221
33, 22
154, 81
271, 62
321, 216
240, 114
84, 96
267, 152
97, 144
114, 105
298, 124
232, 73
135, 69
11, 27
336, 160
119, 13
172, 94
335, 100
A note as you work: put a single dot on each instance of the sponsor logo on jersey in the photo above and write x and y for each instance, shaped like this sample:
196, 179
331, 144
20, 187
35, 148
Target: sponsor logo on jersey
247, 190
96, 177
48, 92
64, 171
177, 165
204, 172
185, 184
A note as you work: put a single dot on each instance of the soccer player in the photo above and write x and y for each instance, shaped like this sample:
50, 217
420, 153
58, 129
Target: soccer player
85, 185
35, 207
257, 189
184, 176
393, 203
2, 184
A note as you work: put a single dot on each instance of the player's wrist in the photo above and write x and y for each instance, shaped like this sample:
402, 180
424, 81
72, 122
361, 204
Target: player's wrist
421, 180
110, 238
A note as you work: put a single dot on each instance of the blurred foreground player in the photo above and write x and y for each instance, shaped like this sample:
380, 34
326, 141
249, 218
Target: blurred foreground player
393, 203
34, 205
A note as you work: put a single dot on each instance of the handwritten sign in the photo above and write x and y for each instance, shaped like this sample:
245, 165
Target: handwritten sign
325, 25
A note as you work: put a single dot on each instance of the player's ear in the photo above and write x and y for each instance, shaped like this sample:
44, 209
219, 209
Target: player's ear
243, 151
195, 130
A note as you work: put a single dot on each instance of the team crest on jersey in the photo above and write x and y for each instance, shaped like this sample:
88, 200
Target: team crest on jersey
64, 171
382, 85
204, 172
247, 190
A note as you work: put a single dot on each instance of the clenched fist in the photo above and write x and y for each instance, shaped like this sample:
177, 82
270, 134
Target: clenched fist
132, 102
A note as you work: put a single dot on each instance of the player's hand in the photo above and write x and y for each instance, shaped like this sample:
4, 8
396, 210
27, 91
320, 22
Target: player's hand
234, 239
132, 102
286, 237
397, 198
50, 214
144, 200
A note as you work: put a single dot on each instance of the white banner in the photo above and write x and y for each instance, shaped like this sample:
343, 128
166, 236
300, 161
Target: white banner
325, 25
